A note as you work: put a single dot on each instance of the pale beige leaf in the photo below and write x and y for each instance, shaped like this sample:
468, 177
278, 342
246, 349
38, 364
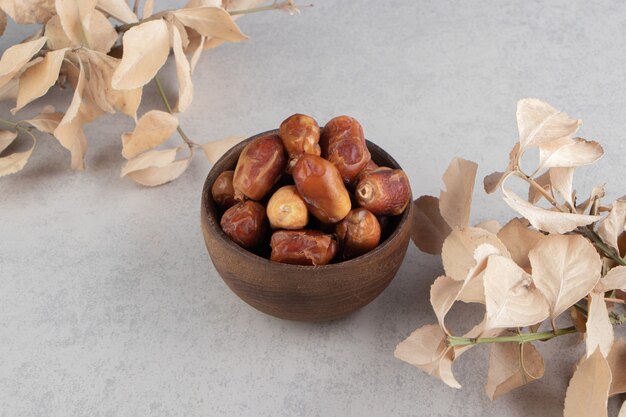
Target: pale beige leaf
512, 365
149, 159
617, 363
9, 90
456, 200
597, 193
459, 250
615, 279
492, 226
57, 39
568, 152
211, 21
16, 56
599, 328
428, 228
6, 138
519, 240
196, 52
622, 411
154, 176
37, 80
28, 11
148, 7
586, 399
142, 60
612, 225
534, 195
426, 349
547, 220
200, 3
75, 18
538, 122
153, 128
3, 22
510, 298
474, 289
561, 181
183, 71
565, 269
214, 150
103, 34
15, 162
443, 293
46, 121
494, 180
119, 9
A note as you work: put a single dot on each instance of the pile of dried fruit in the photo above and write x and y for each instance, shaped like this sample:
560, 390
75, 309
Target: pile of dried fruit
307, 170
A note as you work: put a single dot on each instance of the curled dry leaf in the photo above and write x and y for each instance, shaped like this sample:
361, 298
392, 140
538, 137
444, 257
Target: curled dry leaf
148, 7
15, 57
494, 180
612, 225
565, 269
443, 293
15, 162
37, 80
512, 365
519, 240
6, 138
75, 18
9, 90
142, 60
428, 228
622, 411
103, 34
459, 250
183, 71
617, 364
568, 152
28, 11
492, 226
156, 167
153, 128
538, 123
510, 298
455, 202
561, 181
46, 121
543, 181
615, 279
210, 21
3, 22
214, 150
583, 399
118, 9
426, 349
544, 219
599, 328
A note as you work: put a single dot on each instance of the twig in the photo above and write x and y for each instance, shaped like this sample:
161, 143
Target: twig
182, 134
539, 188
519, 338
590, 234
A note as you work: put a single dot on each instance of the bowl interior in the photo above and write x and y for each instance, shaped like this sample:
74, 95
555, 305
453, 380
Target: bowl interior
212, 213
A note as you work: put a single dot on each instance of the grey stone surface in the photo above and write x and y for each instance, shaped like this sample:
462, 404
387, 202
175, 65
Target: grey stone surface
109, 305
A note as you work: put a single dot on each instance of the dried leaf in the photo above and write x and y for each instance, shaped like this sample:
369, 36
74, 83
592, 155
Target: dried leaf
148, 7
538, 123
443, 293
547, 220
519, 240
15, 57
9, 90
565, 269
599, 328
6, 138
568, 152
534, 195
561, 181
210, 21
622, 411
183, 71
426, 349
214, 150
512, 365
142, 60
119, 9
156, 167
494, 180
492, 226
196, 52
615, 279
474, 290
428, 228
459, 249
617, 363
103, 34
15, 162
37, 80
28, 11
153, 128
3, 22
57, 39
612, 225
46, 121
578, 320
584, 399
510, 298
75, 18
455, 202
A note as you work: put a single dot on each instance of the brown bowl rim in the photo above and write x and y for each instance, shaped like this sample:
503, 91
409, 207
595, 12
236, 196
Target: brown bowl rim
217, 230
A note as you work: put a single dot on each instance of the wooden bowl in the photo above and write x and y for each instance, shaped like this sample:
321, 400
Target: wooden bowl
295, 292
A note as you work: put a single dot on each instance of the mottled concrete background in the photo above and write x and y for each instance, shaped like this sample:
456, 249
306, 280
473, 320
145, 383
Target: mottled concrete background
109, 305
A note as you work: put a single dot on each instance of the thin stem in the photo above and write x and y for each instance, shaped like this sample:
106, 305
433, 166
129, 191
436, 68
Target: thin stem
599, 243
539, 188
182, 134
615, 300
8, 123
519, 338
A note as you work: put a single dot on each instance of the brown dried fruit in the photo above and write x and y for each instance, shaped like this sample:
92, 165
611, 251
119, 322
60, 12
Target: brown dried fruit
287, 210
343, 144
223, 191
300, 134
358, 233
384, 191
303, 247
245, 223
320, 185
261, 164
